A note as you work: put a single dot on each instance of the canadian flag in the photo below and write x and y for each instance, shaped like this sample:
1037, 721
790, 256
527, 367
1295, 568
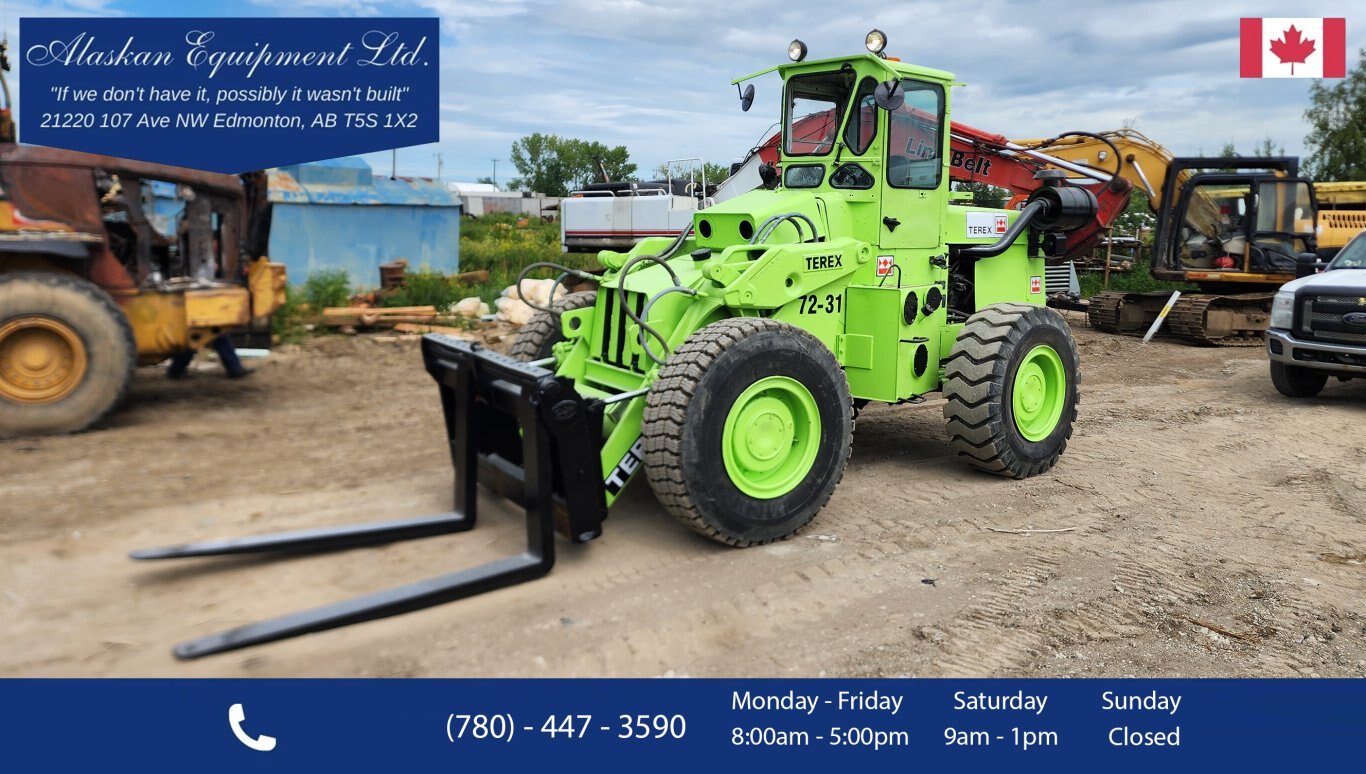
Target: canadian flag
1293, 48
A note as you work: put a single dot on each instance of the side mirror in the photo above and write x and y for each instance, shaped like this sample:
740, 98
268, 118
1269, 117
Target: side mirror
746, 97
768, 175
1306, 265
889, 95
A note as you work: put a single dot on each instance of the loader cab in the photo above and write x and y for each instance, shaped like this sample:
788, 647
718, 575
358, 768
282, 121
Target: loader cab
877, 170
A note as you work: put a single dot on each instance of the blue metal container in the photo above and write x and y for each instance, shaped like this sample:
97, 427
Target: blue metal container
337, 214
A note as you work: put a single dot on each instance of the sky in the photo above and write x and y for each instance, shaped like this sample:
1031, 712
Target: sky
654, 75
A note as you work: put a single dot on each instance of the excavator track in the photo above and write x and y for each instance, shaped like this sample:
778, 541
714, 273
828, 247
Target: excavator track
1103, 311
1221, 321
1125, 313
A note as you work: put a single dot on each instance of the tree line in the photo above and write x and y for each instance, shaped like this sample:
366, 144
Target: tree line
555, 165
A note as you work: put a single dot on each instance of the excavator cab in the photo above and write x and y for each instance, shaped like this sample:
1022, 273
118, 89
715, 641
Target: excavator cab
1234, 221
1238, 228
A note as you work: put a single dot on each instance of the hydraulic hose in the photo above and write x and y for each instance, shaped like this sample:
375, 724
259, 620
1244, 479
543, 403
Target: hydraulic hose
565, 272
645, 313
662, 259
1119, 160
769, 226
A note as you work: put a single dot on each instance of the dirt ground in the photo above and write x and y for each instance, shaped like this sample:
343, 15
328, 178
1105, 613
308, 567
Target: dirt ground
1216, 529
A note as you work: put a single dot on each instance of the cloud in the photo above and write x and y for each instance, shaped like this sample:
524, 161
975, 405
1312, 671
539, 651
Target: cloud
655, 74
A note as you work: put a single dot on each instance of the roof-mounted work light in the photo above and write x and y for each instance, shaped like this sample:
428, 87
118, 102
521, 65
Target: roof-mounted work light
876, 41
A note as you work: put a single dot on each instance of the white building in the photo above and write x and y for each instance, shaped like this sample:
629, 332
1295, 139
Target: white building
481, 199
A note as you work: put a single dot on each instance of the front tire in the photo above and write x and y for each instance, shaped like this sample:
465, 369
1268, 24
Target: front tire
1011, 384
537, 339
747, 430
1297, 382
66, 353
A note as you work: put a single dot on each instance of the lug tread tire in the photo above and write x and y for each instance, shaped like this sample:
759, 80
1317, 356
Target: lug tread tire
111, 351
666, 416
535, 339
1295, 382
975, 384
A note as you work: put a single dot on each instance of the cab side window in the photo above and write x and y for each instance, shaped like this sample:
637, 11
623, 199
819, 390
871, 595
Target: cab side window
915, 137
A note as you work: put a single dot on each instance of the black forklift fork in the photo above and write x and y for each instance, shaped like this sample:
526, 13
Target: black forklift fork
514, 426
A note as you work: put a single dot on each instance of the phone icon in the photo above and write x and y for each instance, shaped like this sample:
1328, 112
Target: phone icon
236, 716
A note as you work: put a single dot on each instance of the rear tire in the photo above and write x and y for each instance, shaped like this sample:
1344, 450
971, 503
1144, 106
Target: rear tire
747, 430
536, 339
1297, 382
67, 353
1011, 385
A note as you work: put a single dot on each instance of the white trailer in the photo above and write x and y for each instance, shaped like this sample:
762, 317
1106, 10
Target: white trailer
615, 216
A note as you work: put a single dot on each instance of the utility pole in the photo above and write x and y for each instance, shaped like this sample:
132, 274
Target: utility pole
440, 163
495, 172
393, 169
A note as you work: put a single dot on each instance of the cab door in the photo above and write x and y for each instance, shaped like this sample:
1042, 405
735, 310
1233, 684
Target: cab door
1286, 224
914, 191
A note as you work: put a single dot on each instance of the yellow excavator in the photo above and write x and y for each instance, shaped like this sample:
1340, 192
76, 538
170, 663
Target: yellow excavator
1237, 227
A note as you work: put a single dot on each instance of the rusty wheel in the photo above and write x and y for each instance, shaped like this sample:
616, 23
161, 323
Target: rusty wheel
66, 353
42, 360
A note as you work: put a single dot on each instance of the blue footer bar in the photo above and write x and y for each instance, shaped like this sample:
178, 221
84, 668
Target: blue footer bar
679, 725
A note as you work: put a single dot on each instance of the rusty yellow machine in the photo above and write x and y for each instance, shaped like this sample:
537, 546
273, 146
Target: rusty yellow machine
91, 287
94, 280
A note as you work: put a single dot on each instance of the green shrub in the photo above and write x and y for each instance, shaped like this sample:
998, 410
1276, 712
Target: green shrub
287, 324
496, 243
425, 288
1138, 280
327, 287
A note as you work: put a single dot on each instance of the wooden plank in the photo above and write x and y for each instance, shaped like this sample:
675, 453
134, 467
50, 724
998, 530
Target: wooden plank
356, 311
375, 320
418, 328
471, 277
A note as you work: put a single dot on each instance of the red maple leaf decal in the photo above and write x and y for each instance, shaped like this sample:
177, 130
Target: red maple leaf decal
1292, 47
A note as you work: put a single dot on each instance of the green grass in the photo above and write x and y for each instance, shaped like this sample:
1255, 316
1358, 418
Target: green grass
287, 325
493, 243
328, 287
1136, 281
497, 244
425, 287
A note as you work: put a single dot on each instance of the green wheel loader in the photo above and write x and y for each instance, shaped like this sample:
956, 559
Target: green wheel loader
726, 365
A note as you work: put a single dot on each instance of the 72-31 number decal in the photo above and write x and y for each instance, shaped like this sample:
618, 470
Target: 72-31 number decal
830, 303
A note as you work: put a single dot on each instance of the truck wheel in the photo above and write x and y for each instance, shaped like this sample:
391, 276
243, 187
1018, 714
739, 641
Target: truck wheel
747, 430
1011, 385
535, 340
66, 353
1297, 382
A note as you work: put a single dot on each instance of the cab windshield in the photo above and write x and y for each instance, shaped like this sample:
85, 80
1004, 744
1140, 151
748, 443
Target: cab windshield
1353, 256
814, 105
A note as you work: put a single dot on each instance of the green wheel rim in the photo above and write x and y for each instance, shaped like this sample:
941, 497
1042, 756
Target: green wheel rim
1039, 393
771, 436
